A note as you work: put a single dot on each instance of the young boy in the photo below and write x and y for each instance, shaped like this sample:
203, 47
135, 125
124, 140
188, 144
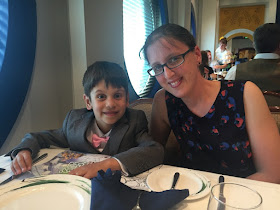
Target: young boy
106, 126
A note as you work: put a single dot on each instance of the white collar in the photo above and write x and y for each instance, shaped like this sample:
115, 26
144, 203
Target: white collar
267, 56
98, 132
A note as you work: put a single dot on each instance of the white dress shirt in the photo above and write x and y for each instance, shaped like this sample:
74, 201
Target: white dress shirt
96, 130
224, 56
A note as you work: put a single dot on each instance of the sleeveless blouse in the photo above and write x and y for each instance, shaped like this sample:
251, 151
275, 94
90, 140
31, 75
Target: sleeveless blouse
217, 142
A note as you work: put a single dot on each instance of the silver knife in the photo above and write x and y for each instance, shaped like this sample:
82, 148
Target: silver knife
34, 161
221, 194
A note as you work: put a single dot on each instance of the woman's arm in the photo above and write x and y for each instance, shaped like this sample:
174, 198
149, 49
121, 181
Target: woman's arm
263, 134
160, 127
220, 66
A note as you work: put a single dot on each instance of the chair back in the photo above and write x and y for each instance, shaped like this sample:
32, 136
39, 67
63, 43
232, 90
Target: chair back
144, 104
275, 108
172, 147
273, 100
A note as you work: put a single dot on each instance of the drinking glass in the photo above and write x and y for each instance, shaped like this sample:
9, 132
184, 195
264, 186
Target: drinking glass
224, 73
231, 196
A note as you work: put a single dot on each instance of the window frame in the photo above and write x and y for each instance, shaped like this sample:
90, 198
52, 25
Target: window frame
147, 82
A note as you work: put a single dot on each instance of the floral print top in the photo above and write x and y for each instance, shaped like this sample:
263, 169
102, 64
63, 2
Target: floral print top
217, 142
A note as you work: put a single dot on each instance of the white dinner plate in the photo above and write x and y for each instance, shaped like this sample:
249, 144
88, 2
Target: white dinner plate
162, 179
61, 192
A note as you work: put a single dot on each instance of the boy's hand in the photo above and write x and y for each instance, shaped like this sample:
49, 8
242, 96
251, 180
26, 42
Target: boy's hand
89, 171
22, 162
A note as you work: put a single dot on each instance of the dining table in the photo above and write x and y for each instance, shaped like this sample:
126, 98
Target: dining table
270, 192
220, 75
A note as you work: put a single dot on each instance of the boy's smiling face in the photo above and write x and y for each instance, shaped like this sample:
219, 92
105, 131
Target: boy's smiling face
108, 104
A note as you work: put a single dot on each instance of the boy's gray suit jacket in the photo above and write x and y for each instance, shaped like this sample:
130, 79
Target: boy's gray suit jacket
129, 140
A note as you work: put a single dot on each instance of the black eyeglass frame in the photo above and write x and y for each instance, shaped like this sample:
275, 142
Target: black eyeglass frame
165, 64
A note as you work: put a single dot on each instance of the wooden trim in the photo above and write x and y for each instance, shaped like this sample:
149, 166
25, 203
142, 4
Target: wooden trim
275, 94
271, 93
140, 101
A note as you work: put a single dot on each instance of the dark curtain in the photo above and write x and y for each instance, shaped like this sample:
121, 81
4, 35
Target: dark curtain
18, 61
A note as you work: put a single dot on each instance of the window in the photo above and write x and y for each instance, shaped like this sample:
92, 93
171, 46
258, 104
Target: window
140, 18
3, 29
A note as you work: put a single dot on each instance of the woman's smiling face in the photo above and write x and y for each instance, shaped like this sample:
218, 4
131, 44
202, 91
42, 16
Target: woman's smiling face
180, 80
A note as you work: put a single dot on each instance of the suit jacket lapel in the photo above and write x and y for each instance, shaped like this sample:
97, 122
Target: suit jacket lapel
77, 137
116, 136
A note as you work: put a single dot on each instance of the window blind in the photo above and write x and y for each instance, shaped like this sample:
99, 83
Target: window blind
3, 29
140, 18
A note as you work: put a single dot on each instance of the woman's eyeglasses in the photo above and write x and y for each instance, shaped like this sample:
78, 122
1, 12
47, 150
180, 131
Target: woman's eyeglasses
171, 64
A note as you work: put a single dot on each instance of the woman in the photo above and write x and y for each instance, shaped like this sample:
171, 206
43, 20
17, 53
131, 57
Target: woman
208, 117
210, 61
206, 70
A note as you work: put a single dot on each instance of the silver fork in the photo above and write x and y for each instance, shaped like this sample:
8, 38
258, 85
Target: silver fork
175, 179
137, 206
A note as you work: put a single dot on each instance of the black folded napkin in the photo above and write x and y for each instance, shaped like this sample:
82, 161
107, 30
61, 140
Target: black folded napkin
107, 192
2, 170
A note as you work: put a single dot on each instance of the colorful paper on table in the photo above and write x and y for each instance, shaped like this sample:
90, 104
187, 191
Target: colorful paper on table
198, 185
66, 161
62, 192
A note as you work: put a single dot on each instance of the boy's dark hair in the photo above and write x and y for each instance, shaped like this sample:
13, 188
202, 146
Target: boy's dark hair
267, 38
111, 73
168, 31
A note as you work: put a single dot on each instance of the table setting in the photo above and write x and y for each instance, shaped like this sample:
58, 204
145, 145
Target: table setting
220, 74
163, 187
227, 196
54, 191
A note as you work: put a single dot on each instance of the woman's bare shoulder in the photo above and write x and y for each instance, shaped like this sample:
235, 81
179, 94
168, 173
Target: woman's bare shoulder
252, 92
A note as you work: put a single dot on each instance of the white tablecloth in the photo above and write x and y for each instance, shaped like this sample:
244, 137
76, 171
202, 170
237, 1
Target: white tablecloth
269, 192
